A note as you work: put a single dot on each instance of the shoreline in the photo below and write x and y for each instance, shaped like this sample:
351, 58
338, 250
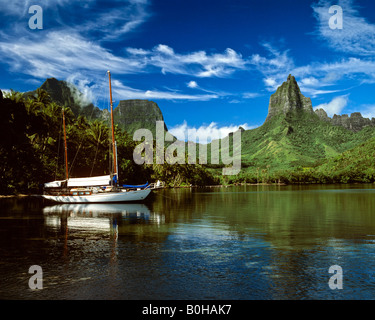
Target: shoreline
22, 195
15, 196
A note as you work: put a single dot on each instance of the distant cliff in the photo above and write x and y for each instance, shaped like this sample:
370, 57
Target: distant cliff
355, 122
138, 114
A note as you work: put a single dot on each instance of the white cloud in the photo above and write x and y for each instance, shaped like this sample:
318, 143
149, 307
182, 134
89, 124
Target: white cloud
155, 94
335, 106
198, 64
357, 35
163, 49
316, 78
251, 95
309, 81
83, 90
204, 134
20, 7
77, 60
319, 75
271, 83
126, 92
275, 67
313, 93
117, 20
59, 54
63, 52
192, 84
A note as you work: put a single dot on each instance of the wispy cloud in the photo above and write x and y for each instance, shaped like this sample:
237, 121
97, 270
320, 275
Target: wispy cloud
205, 133
251, 95
274, 67
122, 18
355, 42
357, 36
72, 48
316, 77
19, 8
76, 46
127, 92
313, 79
199, 64
60, 54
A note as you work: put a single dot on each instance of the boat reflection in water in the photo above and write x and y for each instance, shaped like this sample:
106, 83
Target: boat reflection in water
101, 218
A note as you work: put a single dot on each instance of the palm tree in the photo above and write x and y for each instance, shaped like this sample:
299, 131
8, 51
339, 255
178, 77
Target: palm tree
42, 97
16, 96
53, 110
98, 135
31, 106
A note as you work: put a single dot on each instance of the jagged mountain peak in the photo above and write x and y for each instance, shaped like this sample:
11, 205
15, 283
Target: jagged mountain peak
288, 99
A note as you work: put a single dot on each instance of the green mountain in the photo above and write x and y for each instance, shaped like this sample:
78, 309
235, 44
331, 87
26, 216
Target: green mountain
354, 165
294, 145
130, 115
67, 95
293, 136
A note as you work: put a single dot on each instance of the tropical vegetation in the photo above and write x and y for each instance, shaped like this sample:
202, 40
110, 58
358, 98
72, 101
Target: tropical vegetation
292, 148
32, 148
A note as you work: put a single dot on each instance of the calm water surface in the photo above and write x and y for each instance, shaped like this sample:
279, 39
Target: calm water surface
248, 242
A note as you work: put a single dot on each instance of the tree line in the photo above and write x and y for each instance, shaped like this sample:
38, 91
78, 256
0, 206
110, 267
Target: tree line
32, 152
32, 148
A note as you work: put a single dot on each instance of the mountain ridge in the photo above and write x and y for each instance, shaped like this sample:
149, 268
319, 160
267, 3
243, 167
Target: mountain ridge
130, 115
355, 122
293, 134
294, 145
287, 99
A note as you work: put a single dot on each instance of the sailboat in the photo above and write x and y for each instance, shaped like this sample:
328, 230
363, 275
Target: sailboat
100, 189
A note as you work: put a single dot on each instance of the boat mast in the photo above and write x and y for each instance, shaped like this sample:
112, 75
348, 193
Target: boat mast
66, 148
113, 129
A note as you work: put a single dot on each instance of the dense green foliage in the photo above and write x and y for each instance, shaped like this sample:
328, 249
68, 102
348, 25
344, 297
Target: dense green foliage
304, 149
291, 148
32, 148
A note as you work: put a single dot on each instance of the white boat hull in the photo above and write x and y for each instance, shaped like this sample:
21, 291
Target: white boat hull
105, 197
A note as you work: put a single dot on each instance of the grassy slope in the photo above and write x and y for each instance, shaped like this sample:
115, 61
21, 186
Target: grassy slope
356, 164
287, 143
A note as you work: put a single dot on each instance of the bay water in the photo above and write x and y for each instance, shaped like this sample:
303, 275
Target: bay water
237, 243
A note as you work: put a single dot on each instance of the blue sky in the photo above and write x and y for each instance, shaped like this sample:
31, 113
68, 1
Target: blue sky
210, 65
